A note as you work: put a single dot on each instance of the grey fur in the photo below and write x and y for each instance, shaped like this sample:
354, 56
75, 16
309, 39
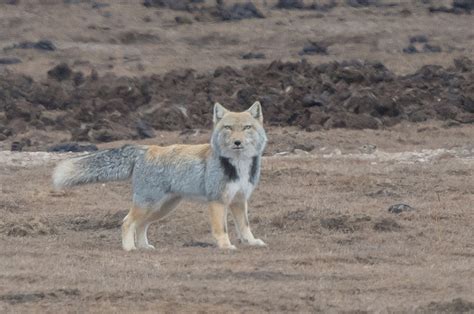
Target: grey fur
102, 166
195, 179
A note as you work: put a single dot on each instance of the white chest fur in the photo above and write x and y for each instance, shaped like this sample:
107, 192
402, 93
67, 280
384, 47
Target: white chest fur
241, 187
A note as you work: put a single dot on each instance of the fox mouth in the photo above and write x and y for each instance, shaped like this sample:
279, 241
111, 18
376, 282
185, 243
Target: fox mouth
238, 147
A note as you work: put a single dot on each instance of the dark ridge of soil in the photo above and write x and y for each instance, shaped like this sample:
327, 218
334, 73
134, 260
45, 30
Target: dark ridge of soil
203, 12
457, 305
349, 94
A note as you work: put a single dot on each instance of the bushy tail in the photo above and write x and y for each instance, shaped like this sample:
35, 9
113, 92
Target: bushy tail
107, 165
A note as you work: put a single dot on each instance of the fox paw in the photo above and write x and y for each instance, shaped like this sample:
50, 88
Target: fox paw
256, 242
147, 247
227, 247
129, 247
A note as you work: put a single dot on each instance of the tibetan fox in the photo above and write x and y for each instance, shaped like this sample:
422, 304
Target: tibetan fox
223, 174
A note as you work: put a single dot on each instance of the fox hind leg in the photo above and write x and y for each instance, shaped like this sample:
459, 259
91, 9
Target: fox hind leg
128, 230
152, 215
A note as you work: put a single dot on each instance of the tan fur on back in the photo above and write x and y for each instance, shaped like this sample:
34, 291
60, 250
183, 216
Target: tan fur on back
156, 152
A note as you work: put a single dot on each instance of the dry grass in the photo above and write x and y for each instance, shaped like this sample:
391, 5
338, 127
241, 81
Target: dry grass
332, 244
88, 40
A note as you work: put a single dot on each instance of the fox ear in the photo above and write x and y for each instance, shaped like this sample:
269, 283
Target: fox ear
219, 112
256, 111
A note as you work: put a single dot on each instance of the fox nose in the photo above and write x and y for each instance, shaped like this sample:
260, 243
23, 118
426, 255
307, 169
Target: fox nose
237, 143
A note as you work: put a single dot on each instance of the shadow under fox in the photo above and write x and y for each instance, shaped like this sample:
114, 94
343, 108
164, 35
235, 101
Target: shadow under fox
223, 173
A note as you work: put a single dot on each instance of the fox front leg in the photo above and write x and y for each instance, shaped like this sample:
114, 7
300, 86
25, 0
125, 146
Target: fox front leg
239, 211
218, 212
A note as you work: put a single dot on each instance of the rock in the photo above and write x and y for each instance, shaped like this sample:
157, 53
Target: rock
410, 49
183, 20
197, 244
362, 3
60, 72
466, 5
398, 208
72, 147
179, 5
290, 4
299, 5
313, 48
239, 11
418, 39
9, 60
440, 9
44, 44
253, 55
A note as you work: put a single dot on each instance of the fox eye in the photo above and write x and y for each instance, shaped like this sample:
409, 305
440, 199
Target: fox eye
227, 127
247, 127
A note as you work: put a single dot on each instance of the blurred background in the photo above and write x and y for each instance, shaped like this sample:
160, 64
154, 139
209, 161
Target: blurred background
98, 71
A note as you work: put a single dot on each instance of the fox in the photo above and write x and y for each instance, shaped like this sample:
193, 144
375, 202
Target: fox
222, 173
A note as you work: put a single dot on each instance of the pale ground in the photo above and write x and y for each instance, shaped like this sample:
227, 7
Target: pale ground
332, 244
99, 39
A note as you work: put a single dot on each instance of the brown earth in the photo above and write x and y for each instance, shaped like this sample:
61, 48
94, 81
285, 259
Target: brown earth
336, 95
99, 71
332, 244
104, 71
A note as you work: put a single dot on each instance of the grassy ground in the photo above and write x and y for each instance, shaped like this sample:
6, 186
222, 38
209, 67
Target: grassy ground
332, 244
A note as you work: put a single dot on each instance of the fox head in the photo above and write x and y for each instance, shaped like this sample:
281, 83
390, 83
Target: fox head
238, 134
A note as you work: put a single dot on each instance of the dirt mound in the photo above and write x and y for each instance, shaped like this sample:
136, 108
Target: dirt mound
351, 94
